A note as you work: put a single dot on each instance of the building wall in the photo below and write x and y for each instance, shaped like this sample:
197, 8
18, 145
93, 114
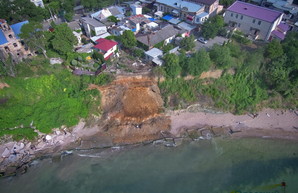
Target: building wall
110, 51
249, 25
98, 30
14, 46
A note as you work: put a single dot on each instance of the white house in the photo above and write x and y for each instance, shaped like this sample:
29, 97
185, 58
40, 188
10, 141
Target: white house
107, 12
187, 11
106, 47
154, 55
93, 27
136, 9
256, 21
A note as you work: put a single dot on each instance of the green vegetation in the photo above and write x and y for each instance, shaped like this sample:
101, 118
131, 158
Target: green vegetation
46, 102
96, 4
238, 93
128, 39
188, 43
212, 27
253, 76
21, 10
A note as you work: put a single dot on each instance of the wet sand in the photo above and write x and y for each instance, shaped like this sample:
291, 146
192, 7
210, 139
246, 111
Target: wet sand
269, 123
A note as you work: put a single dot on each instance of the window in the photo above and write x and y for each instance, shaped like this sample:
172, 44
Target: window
253, 21
241, 17
239, 24
10, 36
232, 14
259, 23
236, 16
15, 44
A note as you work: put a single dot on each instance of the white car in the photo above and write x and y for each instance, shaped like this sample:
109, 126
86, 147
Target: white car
202, 40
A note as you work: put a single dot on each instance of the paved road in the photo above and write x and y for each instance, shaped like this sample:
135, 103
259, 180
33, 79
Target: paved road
217, 40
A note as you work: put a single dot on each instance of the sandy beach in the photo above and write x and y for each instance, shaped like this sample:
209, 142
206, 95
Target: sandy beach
269, 123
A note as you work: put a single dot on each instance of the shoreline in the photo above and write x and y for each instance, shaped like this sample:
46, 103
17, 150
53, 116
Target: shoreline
268, 123
185, 125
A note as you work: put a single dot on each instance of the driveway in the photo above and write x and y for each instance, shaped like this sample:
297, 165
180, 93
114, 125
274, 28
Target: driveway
217, 40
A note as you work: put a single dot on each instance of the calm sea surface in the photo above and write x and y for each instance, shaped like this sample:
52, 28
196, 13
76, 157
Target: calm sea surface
219, 165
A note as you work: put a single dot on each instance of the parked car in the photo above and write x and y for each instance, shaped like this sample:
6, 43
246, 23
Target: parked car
202, 40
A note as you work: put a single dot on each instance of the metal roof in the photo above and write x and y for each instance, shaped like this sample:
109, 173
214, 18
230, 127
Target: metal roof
17, 28
3, 40
191, 7
154, 52
254, 11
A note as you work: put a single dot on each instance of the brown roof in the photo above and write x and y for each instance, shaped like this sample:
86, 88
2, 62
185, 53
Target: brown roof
159, 36
204, 2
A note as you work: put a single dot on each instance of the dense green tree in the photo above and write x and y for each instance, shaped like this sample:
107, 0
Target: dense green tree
290, 47
34, 37
113, 19
98, 56
21, 10
188, 43
212, 26
274, 50
226, 3
221, 56
63, 39
96, 4
199, 63
172, 66
128, 39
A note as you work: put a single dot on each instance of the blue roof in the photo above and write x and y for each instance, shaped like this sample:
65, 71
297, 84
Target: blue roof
151, 19
3, 40
17, 28
167, 17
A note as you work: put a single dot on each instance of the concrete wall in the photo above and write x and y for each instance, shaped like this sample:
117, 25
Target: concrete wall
112, 50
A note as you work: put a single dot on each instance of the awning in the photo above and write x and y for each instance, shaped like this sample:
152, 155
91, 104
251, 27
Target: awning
189, 17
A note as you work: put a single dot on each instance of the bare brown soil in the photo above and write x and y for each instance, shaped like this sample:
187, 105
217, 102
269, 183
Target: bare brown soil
132, 107
3, 85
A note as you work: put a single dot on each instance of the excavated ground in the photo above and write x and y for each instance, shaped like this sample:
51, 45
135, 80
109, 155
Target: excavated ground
132, 108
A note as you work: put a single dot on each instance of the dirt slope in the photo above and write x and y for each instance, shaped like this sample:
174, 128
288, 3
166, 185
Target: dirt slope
132, 107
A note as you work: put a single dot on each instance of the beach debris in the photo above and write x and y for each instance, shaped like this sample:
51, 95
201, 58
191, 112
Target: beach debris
267, 115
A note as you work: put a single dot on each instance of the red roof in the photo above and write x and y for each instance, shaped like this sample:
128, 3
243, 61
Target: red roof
104, 44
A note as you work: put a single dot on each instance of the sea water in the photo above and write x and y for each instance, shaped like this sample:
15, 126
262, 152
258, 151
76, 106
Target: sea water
206, 166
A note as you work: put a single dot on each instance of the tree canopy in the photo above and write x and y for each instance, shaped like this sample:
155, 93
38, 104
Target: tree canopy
199, 63
221, 56
188, 43
274, 50
128, 39
172, 66
21, 10
212, 26
63, 39
34, 37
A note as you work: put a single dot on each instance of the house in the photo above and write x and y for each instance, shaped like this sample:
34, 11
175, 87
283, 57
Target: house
185, 10
10, 42
166, 35
92, 27
154, 55
107, 12
280, 32
106, 47
212, 7
138, 21
38, 3
136, 9
255, 21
